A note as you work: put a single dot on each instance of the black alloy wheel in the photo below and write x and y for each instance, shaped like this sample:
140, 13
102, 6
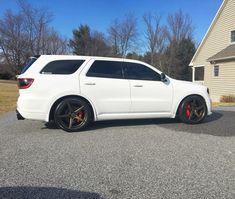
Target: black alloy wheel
72, 114
193, 110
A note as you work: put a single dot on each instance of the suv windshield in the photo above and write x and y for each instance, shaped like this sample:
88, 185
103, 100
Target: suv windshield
29, 62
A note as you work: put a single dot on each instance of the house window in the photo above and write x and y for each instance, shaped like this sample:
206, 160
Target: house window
216, 71
233, 36
199, 73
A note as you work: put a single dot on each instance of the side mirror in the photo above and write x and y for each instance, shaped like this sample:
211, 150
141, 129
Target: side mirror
163, 77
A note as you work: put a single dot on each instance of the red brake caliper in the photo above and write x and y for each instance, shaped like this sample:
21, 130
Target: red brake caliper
80, 115
187, 112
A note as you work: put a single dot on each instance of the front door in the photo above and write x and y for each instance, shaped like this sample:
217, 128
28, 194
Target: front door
148, 93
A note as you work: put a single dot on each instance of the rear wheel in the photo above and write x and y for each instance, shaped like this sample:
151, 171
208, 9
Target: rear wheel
193, 110
72, 114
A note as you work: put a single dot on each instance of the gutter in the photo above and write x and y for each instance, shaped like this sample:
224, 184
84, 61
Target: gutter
221, 59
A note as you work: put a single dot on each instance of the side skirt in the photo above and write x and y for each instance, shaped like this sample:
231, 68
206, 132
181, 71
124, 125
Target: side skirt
133, 116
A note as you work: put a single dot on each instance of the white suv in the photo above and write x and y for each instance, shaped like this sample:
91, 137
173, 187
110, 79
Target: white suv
75, 90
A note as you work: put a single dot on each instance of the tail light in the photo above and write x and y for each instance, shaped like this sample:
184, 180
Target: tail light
24, 83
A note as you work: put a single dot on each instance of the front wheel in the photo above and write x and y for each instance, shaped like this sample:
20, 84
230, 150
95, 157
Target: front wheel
72, 114
193, 110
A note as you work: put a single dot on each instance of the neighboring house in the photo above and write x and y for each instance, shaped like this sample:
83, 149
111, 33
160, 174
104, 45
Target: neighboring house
214, 61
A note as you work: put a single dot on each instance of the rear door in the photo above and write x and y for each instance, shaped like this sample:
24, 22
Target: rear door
148, 93
104, 85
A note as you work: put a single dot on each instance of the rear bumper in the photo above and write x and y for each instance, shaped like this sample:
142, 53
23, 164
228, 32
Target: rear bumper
31, 108
19, 116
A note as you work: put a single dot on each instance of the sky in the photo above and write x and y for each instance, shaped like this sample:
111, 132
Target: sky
99, 14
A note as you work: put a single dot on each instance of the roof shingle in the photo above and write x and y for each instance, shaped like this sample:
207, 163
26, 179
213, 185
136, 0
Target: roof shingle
225, 54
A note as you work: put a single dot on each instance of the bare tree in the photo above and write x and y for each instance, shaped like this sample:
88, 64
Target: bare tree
155, 36
42, 38
181, 46
36, 24
53, 43
28, 33
179, 26
114, 34
128, 34
123, 35
12, 39
99, 46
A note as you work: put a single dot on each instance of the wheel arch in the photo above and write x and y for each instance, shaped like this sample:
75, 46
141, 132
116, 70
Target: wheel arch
54, 105
181, 101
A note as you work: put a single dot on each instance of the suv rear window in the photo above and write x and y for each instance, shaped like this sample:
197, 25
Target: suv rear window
62, 67
106, 69
29, 62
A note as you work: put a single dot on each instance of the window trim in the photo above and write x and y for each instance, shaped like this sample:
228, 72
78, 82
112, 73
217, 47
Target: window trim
213, 70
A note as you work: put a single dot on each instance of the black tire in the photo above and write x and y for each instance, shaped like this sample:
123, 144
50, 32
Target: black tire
192, 110
72, 114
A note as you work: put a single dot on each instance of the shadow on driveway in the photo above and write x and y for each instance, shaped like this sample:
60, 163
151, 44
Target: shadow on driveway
220, 123
44, 192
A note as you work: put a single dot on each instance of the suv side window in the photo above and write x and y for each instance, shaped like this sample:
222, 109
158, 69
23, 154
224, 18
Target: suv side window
140, 72
106, 69
62, 67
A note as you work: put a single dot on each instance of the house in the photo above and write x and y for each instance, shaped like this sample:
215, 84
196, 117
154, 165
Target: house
214, 61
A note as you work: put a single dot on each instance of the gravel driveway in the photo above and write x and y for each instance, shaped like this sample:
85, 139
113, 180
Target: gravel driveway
157, 158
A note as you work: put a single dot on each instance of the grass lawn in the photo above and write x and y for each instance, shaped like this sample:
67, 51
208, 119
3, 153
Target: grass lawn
8, 95
214, 104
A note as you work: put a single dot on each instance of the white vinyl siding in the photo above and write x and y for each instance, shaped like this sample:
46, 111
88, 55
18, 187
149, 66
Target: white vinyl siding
224, 84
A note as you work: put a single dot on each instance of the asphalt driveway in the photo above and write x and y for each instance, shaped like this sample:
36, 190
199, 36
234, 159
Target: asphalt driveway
158, 158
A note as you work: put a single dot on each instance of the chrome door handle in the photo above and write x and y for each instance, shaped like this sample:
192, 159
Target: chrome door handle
138, 86
90, 83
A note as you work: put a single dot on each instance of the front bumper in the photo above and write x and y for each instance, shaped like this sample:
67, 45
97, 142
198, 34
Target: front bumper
209, 111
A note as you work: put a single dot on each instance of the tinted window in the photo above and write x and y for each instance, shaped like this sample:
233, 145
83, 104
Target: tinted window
62, 67
29, 62
140, 72
108, 69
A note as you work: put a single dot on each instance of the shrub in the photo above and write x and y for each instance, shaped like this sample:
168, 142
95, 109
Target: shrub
6, 76
227, 98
